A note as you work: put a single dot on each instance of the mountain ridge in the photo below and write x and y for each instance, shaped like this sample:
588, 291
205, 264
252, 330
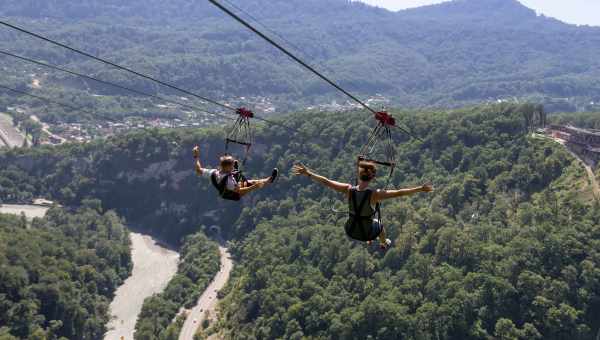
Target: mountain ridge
445, 55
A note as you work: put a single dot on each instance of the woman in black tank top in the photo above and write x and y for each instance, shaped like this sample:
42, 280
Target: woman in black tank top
363, 202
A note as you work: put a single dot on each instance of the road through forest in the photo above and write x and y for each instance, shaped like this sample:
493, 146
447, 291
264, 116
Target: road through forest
207, 303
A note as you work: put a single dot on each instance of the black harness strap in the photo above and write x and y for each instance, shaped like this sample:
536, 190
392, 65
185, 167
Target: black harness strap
221, 186
215, 183
378, 212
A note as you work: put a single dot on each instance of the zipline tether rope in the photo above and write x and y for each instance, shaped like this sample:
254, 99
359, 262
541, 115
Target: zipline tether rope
48, 100
54, 42
54, 67
224, 106
301, 62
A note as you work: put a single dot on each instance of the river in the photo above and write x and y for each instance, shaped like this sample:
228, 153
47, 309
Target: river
153, 268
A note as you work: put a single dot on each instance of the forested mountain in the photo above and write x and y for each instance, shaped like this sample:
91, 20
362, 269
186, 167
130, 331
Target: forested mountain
58, 275
507, 247
463, 51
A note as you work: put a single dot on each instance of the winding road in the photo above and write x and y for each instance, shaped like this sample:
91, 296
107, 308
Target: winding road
588, 169
590, 172
208, 300
594, 180
153, 268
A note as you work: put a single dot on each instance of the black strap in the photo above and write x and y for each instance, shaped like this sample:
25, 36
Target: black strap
222, 185
238, 176
378, 211
229, 140
215, 183
353, 200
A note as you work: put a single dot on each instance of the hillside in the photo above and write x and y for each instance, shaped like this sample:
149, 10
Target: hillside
447, 55
506, 247
59, 273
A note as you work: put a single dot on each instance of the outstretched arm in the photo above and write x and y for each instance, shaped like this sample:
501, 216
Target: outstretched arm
382, 195
300, 169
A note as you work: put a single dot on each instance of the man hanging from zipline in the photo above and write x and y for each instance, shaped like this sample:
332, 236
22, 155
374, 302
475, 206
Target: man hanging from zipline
363, 202
228, 180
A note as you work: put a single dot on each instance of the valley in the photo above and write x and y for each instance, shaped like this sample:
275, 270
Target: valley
153, 267
475, 125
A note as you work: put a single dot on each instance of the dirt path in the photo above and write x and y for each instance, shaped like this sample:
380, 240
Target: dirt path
590, 173
9, 135
208, 301
31, 211
593, 179
588, 169
153, 267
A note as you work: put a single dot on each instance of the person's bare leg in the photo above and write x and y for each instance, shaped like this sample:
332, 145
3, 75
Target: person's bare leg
251, 182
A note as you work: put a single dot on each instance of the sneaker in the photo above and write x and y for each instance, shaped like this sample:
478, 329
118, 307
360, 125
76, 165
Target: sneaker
274, 175
386, 245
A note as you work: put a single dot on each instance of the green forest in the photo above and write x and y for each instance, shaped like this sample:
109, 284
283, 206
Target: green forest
454, 54
589, 120
58, 274
506, 248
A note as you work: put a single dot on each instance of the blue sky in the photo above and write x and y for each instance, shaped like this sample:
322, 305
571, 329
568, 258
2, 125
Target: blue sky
581, 12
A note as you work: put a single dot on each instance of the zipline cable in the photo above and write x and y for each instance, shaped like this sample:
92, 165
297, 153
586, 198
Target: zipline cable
275, 33
214, 102
289, 54
227, 107
54, 42
301, 62
48, 100
284, 39
54, 67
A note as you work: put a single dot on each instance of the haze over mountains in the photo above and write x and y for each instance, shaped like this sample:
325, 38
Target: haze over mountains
446, 55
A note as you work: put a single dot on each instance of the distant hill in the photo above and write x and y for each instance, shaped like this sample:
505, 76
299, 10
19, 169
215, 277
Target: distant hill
445, 55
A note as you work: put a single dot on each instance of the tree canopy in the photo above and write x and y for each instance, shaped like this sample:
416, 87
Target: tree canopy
58, 274
506, 247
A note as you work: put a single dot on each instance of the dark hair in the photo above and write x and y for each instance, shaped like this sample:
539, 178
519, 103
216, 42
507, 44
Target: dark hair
226, 160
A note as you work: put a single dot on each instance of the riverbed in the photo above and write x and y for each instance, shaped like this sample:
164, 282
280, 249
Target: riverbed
153, 267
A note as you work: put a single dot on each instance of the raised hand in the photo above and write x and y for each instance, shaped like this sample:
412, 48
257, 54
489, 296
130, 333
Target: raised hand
300, 169
196, 152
